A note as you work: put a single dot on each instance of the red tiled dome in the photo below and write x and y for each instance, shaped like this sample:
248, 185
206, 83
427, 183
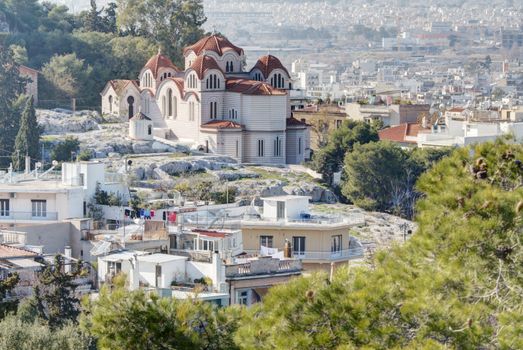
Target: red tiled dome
203, 63
252, 87
215, 43
266, 64
159, 61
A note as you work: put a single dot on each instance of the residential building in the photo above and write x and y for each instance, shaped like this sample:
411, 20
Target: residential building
215, 104
389, 115
31, 87
323, 120
316, 240
36, 197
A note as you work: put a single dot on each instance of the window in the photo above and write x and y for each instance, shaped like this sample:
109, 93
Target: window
266, 241
214, 110
299, 145
114, 267
4, 207
277, 147
149, 130
158, 274
231, 67
227, 67
175, 107
110, 104
243, 297
336, 244
39, 208
338, 124
191, 111
280, 210
237, 148
261, 148
298, 246
169, 102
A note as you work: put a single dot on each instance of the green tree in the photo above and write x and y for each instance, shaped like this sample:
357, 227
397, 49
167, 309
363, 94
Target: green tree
381, 176
6, 286
157, 323
65, 150
27, 142
54, 299
329, 159
455, 284
172, 24
11, 86
20, 335
66, 75
92, 20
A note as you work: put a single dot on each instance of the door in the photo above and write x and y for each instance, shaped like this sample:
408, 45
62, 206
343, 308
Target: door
298, 246
130, 103
4, 207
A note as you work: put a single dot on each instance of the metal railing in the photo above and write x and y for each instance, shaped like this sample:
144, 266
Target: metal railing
28, 215
263, 266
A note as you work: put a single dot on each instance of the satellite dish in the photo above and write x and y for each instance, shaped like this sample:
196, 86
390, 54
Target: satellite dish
38, 165
54, 163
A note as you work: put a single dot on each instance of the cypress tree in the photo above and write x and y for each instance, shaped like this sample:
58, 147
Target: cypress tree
11, 86
27, 140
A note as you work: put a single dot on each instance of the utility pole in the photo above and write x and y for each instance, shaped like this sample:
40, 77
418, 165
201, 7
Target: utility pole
123, 224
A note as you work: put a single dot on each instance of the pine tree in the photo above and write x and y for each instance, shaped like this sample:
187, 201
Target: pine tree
11, 86
27, 140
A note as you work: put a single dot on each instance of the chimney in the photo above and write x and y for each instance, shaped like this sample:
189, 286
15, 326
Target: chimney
27, 164
68, 252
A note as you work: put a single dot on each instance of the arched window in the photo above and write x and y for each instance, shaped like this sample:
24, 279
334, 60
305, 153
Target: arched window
110, 104
231, 69
214, 78
282, 82
169, 102
227, 66
207, 83
218, 83
175, 107
149, 130
169, 75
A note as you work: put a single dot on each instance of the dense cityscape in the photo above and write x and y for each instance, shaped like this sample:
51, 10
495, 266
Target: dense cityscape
217, 174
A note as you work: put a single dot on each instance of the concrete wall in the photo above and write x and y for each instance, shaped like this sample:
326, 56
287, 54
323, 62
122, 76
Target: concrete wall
171, 270
53, 237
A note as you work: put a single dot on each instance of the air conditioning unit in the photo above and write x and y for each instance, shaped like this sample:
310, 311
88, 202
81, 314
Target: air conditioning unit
12, 195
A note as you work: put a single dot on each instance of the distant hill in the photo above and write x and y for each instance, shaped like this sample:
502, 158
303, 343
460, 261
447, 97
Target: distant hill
79, 5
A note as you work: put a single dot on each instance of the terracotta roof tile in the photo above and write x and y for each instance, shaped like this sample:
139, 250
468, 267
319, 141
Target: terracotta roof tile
119, 85
266, 64
222, 124
159, 61
400, 132
7, 251
252, 87
203, 63
216, 43
456, 109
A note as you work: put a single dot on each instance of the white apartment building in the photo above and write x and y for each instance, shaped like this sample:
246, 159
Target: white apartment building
35, 198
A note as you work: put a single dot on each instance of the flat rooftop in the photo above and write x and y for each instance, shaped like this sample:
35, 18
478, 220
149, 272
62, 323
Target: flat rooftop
159, 258
285, 198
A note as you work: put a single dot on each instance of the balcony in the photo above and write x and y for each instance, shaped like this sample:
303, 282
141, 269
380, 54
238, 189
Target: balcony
28, 216
312, 222
346, 254
263, 266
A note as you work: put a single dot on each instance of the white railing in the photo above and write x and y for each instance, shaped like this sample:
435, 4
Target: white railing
13, 237
346, 254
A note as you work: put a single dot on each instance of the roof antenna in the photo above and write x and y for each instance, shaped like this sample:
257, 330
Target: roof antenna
213, 30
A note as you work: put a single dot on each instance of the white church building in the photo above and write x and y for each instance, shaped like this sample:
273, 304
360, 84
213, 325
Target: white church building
215, 104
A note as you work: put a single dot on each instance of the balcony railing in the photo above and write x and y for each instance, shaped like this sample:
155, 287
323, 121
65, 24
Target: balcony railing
28, 215
13, 237
263, 266
346, 254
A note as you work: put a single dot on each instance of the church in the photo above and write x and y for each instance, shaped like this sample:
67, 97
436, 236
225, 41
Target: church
215, 104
